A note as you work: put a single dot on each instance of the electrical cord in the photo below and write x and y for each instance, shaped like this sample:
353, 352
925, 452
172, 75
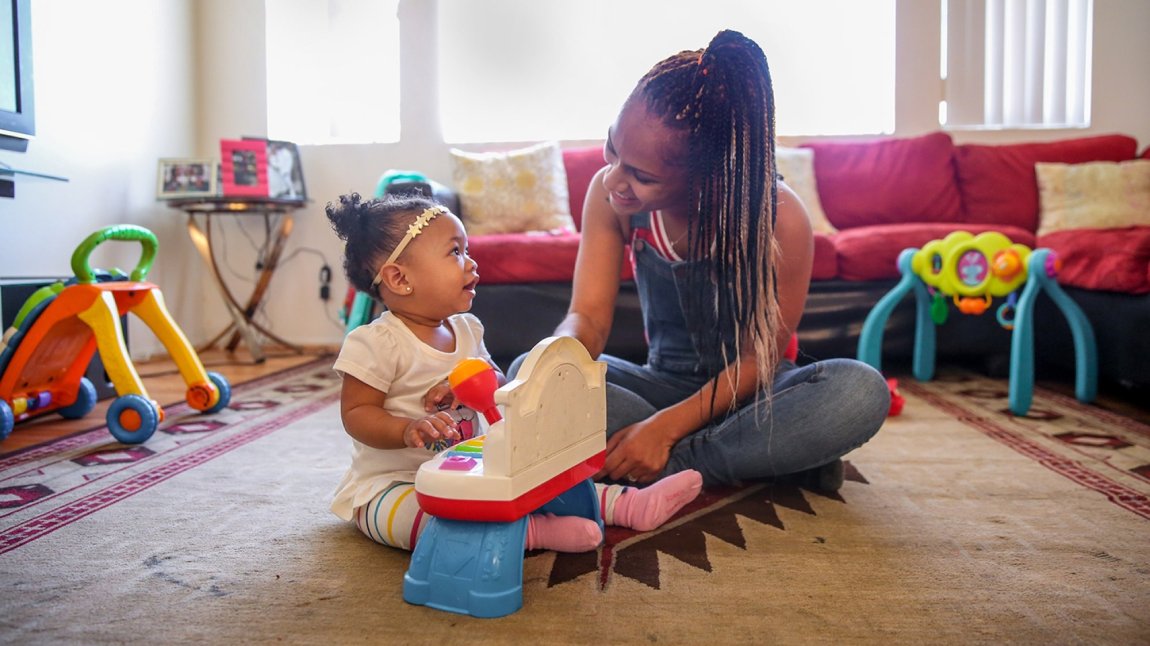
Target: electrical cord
324, 276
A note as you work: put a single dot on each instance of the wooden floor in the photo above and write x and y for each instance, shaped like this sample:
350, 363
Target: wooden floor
164, 384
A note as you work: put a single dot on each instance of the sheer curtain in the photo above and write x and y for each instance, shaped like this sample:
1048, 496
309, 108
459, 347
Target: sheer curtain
1016, 63
532, 70
525, 70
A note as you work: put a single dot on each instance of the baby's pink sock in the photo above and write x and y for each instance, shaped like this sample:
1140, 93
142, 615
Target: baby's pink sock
562, 533
647, 508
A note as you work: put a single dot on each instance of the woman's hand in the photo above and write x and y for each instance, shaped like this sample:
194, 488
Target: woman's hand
637, 453
426, 431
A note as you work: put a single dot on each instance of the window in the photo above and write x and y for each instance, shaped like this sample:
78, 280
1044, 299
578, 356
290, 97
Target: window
529, 70
333, 71
1016, 63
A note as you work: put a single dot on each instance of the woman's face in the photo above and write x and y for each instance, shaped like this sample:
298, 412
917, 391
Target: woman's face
647, 163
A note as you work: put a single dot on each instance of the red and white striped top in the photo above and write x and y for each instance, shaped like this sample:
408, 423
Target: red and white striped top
659, 240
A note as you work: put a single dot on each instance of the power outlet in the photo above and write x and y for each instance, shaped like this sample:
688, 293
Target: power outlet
325, 283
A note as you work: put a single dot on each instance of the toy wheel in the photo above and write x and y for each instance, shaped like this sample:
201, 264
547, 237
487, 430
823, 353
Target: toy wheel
132, 419
85, 401
7, 420
225, 392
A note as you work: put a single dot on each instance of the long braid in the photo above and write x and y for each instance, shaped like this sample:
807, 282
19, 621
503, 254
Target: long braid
723, 94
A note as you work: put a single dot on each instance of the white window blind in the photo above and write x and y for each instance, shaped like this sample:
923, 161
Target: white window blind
528, 70
333, 71
1016, 63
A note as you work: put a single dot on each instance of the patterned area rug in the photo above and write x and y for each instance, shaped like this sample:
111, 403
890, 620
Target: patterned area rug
958, 523
48, 487
1096, 449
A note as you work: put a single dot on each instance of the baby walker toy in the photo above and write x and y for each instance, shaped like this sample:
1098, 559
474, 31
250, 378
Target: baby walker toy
60, 327
538, 456
971, 270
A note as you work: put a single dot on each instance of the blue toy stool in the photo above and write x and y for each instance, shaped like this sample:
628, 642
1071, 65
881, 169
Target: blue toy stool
476, 568
971, 270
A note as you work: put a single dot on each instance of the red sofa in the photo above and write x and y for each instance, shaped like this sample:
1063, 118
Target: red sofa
883, 196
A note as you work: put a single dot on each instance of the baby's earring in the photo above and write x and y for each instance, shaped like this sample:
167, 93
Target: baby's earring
408, 290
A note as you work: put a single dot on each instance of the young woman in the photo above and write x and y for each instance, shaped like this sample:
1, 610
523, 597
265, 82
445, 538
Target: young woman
722, 253
395, 403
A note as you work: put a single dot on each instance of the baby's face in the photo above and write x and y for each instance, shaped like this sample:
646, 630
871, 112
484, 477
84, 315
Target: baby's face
442, 276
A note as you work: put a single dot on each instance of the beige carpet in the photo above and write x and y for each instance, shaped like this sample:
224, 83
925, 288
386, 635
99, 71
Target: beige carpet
958, 524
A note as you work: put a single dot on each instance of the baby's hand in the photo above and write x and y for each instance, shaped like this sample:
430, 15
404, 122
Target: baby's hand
424, 432
440, 397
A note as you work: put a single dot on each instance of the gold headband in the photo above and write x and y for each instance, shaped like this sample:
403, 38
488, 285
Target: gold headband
415, 229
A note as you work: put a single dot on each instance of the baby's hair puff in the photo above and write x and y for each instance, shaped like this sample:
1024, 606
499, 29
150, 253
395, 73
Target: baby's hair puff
371, 230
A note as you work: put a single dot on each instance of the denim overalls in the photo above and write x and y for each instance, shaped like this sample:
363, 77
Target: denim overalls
811, 416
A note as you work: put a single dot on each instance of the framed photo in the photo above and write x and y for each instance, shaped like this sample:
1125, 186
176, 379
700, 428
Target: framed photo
182, 178
285, 173
244, 168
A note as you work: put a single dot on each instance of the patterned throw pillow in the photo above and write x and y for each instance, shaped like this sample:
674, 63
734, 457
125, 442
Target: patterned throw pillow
1093, 195
512, 192
797, 166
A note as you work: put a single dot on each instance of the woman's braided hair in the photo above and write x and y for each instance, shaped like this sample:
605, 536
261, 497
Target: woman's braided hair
723, 96
371, 229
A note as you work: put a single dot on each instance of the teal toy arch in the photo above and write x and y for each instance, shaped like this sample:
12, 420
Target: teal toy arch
1041, 272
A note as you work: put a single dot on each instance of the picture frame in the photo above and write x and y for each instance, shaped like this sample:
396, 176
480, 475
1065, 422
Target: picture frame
179, 178
243, 168
285, 172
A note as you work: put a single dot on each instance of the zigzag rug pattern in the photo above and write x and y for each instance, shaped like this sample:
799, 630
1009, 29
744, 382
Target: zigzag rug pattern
1096, 449
634, 555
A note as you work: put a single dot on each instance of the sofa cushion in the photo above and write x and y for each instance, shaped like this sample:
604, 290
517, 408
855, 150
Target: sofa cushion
797, 167
887, 181
826, 260
999, 185
1115, 260
528, 257
511, 192
871, 253
581, 165
1094, 195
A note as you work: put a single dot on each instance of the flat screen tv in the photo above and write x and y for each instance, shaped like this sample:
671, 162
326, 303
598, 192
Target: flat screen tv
17, 121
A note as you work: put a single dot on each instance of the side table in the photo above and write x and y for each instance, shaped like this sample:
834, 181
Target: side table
277, 219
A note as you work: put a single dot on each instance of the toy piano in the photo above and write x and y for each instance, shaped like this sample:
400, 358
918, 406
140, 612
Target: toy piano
552, 436
538, 457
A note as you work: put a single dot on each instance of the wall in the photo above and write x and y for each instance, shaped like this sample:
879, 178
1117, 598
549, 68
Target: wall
180, 105
115, 91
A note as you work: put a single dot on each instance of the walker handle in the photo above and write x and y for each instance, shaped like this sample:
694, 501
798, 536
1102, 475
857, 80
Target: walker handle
125, 232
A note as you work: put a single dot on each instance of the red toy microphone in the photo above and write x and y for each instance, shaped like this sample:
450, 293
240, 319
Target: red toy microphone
474, 382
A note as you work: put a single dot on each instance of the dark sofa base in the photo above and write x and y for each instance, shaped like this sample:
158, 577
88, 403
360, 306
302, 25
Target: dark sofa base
517, 316
836, 310
1121, 325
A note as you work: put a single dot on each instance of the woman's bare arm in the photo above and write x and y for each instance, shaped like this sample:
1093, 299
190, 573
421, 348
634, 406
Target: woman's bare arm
597, 267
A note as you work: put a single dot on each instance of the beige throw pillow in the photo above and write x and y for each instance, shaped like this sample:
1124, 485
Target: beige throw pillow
797, 166
1093, 195
512, 192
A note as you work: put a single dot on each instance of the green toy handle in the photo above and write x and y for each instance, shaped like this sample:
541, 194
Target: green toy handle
125, 232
